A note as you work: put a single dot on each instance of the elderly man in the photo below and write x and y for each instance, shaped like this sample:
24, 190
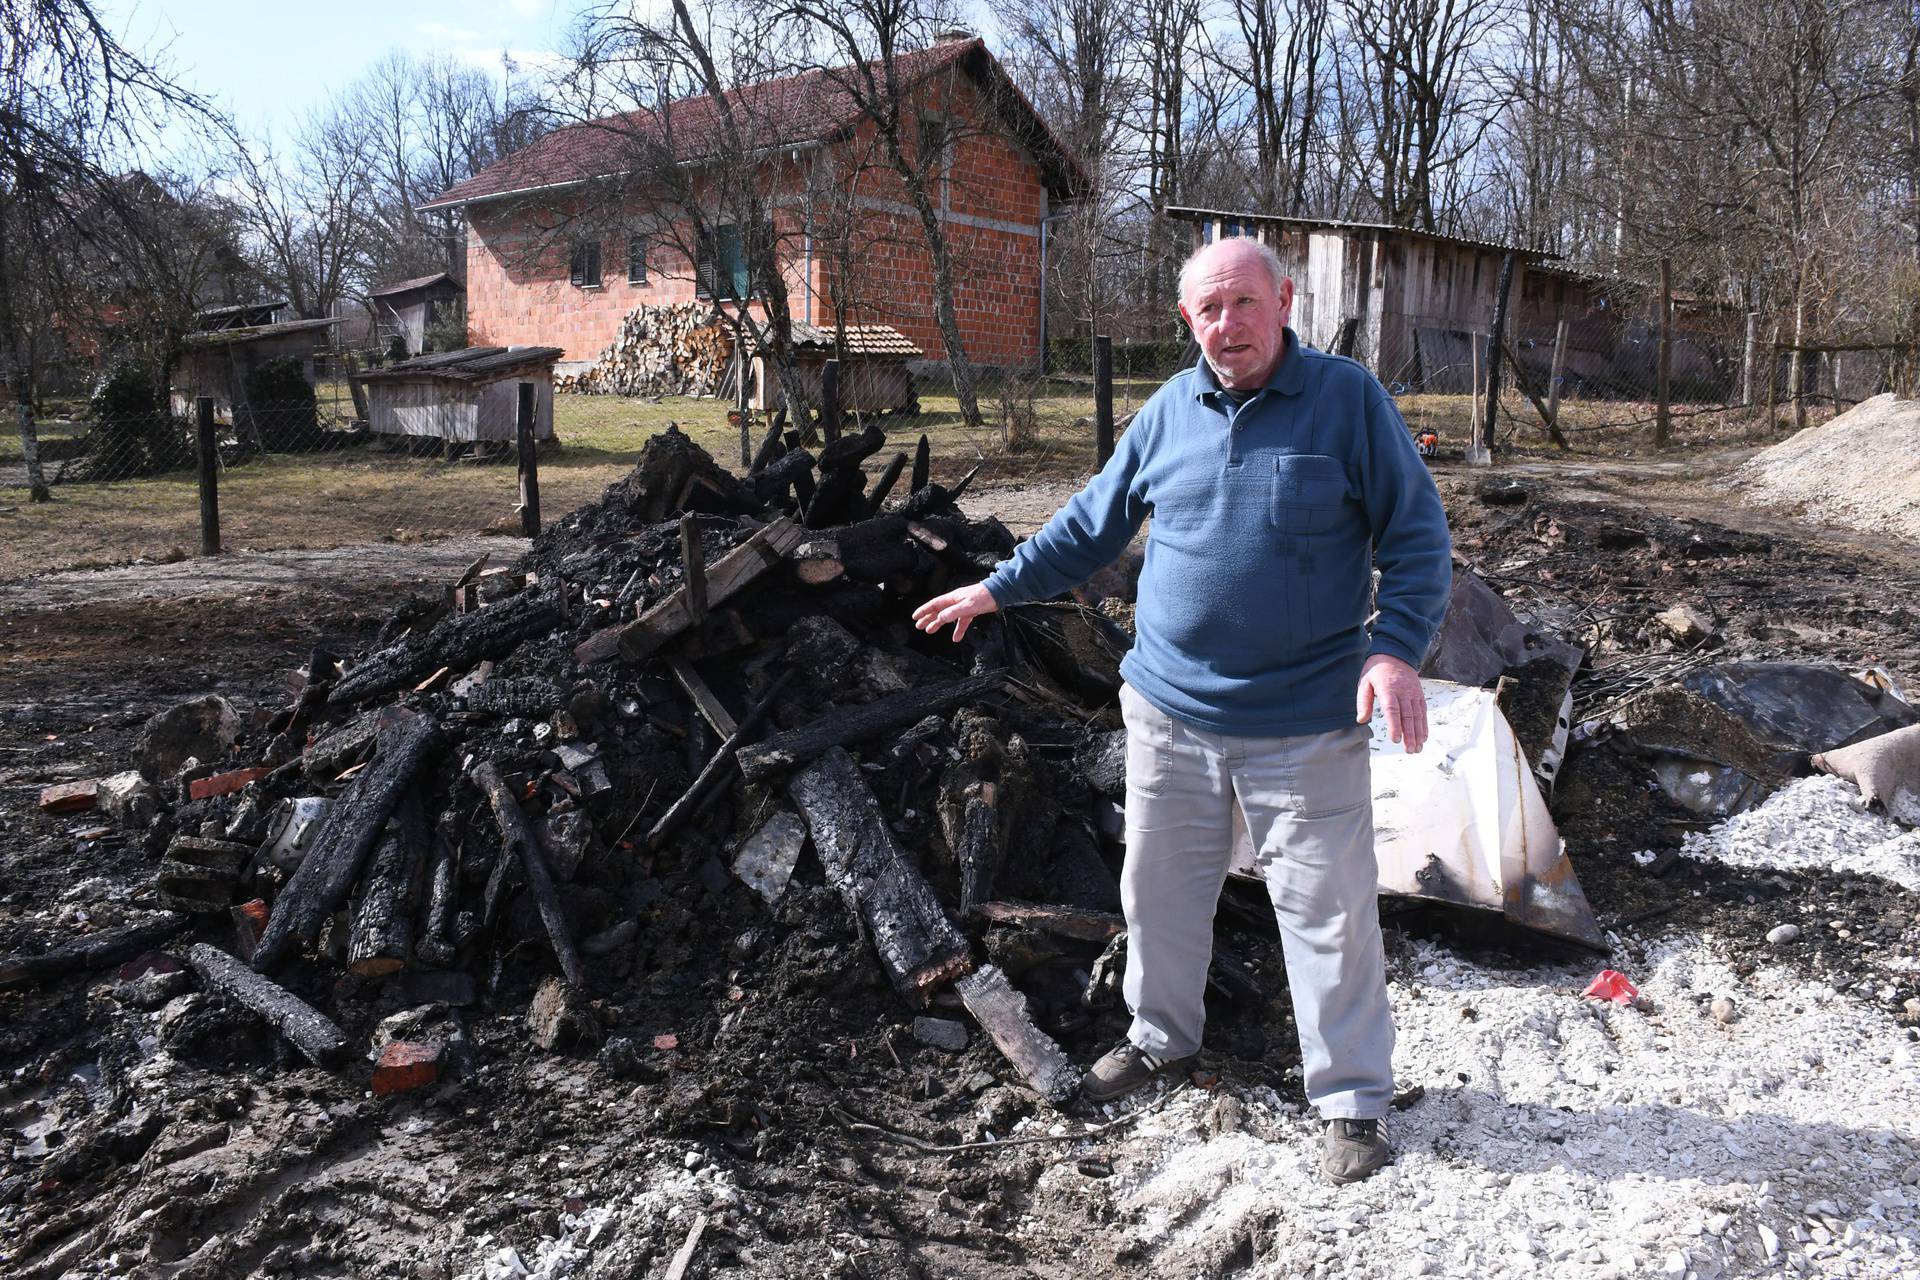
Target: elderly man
1277, 478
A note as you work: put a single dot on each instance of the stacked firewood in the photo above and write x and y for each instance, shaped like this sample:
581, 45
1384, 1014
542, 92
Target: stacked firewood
699, 671
680, 349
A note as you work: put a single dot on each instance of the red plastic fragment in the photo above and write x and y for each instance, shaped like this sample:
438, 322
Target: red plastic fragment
1612, 985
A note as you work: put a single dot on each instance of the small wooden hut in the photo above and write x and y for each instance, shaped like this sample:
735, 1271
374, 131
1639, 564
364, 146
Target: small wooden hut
216, 362
469, 395
874, 377
405, 308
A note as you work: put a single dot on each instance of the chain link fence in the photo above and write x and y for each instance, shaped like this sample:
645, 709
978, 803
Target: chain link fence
303, 470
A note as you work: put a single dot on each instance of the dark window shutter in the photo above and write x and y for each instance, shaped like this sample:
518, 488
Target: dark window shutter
703, 267
584, 266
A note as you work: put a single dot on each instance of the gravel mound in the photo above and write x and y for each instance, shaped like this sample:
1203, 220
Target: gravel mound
1860, 471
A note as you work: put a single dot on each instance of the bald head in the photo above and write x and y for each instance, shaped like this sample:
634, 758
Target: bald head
1237, 299
1235, 250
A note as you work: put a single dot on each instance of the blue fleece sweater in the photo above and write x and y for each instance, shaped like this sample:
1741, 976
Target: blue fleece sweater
1267, 518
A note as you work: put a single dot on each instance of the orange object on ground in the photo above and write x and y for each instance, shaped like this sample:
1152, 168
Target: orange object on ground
407, 1064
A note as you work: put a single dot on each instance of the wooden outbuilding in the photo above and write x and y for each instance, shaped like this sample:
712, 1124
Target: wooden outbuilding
468, 396
1416, 307
406, 308
216, 362
874, 377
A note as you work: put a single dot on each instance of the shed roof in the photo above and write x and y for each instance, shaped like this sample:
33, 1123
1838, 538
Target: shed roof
1186, 213
469, 364
812, 107
254, 333
862, 340
408, 286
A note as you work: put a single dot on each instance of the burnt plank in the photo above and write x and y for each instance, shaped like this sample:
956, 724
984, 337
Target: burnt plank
786, 751
520, 838
93, 951
311, 1031
352, 827
918, 945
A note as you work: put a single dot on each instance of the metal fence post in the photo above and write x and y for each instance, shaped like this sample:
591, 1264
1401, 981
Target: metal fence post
830, 401
1102, 399
529, 464
209, 450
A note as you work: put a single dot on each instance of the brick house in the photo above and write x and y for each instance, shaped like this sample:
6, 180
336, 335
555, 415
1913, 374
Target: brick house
568, 235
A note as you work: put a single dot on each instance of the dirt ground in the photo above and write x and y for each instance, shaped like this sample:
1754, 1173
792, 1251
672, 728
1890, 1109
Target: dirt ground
751, 1069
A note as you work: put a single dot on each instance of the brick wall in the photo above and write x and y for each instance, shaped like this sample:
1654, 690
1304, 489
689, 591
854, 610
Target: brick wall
518, 292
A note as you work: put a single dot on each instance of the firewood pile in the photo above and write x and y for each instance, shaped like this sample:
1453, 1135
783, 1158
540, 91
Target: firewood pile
680, 349
682, 688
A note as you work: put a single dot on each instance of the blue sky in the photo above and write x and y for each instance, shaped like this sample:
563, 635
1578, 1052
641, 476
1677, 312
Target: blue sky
270, 62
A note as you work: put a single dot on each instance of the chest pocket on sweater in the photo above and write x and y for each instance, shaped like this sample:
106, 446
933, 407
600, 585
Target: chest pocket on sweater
1308, 491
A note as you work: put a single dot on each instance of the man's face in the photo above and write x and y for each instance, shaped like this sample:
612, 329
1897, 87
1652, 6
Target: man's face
1237, 315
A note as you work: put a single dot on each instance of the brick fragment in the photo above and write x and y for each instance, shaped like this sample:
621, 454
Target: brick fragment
224, 784
71, 797
408, 1064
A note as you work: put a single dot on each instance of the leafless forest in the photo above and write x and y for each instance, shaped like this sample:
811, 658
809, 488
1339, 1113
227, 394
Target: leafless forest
1770, 149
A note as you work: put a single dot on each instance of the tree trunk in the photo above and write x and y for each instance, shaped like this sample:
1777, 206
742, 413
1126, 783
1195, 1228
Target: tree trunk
37, 490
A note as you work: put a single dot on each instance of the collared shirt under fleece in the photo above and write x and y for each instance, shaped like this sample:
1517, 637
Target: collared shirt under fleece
1252, 608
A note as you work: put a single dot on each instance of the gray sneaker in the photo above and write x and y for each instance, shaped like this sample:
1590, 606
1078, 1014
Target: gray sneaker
1124, 1068
1354, 1150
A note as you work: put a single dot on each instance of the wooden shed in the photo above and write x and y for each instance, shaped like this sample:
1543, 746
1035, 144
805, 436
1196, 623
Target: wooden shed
874, 377
216, 362
406, 308
1416, 308
467, 395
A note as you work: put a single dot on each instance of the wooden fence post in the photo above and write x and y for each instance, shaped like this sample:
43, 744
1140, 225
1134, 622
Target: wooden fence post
830, 401
209, 450
1663, 408
1749, 369
1559, 371
1102, 399
529, 464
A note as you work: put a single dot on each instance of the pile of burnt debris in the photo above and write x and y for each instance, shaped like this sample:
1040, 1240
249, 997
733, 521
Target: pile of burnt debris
683, 684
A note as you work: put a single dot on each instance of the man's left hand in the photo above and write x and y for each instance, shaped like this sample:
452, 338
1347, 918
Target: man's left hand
1397, 685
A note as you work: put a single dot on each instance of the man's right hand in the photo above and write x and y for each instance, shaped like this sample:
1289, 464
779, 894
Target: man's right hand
959, 607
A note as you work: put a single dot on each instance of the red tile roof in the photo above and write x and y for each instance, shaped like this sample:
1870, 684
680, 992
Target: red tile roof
813, 106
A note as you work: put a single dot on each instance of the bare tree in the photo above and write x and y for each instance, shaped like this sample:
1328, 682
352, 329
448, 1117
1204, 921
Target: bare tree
75, 107
871, 39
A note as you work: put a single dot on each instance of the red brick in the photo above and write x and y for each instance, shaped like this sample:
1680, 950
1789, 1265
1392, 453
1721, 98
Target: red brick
224, 784
406, 1065
71, 797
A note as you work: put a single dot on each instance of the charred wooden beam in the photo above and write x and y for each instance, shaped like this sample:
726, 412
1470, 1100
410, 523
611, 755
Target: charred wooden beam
435, 943
782, 474
1003, 1012
978, 850
520, 838
790, 750
457, 642
919, 947
311, 1031
877, 496
726, 578
693, 559
848, 452
94, 951
705, 701
838, 498
690, 801
380, 940
1077, 923
922, 466
353, 824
